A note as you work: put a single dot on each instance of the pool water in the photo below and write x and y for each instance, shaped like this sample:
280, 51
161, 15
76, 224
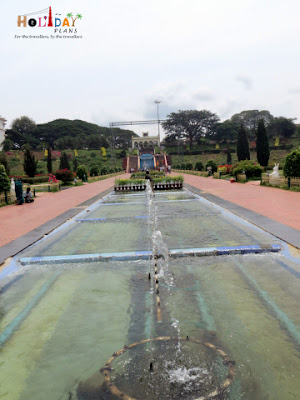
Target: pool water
229, 317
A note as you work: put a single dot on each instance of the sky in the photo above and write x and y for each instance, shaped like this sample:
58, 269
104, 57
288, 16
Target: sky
223, 56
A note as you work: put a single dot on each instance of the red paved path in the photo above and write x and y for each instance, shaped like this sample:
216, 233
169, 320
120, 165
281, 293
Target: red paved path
277, 204
15, 221
280, 205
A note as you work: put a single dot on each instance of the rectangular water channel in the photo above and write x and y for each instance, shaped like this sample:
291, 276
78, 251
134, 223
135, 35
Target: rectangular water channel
61, 320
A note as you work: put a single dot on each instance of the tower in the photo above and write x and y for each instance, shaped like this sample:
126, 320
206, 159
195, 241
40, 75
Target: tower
50, 17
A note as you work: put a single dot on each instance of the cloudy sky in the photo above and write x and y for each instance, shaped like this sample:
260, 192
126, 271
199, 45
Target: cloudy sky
224, 56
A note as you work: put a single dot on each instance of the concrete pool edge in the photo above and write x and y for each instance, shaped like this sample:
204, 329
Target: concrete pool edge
281, 231
16, 246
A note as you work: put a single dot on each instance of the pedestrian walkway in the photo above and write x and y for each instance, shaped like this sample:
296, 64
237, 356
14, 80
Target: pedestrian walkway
279, 205
16, 221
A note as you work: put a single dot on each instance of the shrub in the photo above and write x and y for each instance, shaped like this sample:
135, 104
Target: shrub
64, 175
212, 164
199, 166
222, 170
189, 166
80, 171
93, 154
251, 168
182, 166
103, 171
4, 180
227, 166
94, 171
292, 164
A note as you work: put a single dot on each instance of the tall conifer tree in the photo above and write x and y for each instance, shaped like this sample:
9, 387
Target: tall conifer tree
242, 148
49, 161
262, 144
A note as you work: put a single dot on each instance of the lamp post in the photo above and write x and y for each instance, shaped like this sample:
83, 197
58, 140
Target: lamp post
157, 103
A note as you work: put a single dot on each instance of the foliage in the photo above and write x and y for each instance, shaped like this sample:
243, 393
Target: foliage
4, 180
212, 164
67, 134
199, 166
250, 168
93, 154
64, 161
94, 171
75, 164
103, 171
49, 161
242, 148
52, 178
190, 124
64, 175
189, 166
249, 119
281, 126
7, 144
222, 170
81, 171
227, 130
262, 144
29, 164
123, 182
227, 166
292, 164
3, 161
228, 153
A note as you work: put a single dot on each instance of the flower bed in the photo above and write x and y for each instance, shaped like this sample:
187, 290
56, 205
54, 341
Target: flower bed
165, 183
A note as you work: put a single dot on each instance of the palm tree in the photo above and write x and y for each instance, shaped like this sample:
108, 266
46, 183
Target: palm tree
79, 16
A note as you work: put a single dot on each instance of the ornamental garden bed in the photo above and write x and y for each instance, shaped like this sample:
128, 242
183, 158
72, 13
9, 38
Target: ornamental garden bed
166, 183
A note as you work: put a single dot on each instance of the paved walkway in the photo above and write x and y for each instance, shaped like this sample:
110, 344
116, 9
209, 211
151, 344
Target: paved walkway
16, 221
279, 205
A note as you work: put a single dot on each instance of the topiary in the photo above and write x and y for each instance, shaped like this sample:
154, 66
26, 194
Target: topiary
4, 180
182, 166
212, 164
94, 171
250, 168
80, 171
199, 166
292, 164
189, 166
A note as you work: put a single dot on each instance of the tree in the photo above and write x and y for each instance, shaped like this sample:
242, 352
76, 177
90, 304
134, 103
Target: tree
3, 161
242, 147
227, 130
228, 153
262, 144
292, 164
191, 124
281, 126
64, 161
75, 164
7, 144
4, 180
250, 119
29, 165
23, 125
49, 161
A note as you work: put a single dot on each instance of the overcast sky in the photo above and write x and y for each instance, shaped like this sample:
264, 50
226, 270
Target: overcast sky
224, 56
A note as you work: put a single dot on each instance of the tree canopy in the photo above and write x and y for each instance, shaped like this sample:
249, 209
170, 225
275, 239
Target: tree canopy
250, 118
65, 134
191, 124
282, 127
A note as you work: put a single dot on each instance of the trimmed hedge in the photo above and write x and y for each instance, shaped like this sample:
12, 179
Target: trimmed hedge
251, 168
